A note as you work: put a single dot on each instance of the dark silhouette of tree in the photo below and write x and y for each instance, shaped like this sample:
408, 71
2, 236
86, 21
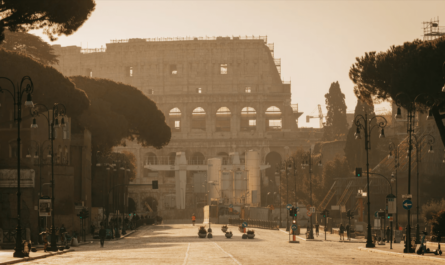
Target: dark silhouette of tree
30, 45
120, 112
413, 68
439, 223
336, 124
50, 86
55, 17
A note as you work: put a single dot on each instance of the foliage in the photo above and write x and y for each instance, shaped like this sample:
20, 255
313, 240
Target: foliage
55, 17
412, 68
120, 111
50, 86
31, 45
439, 223
336, 124
430, 209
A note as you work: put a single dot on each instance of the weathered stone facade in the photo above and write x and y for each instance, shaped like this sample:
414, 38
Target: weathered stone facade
219, 95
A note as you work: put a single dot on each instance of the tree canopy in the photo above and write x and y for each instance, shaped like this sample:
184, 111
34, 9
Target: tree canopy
336, 124
55, 17
30, 45
413, 68
50, 86
119, 112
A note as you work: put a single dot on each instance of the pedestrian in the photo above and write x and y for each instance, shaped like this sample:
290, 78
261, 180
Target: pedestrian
388, 234
347, 231
317, 229
193, 219
342, 232
45, 240
102, 234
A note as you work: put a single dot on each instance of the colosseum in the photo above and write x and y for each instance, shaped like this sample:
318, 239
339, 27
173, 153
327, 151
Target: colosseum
223, 97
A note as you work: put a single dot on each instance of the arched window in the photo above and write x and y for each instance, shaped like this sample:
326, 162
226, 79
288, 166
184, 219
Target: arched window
223, 120
248, 119
150, 159
175, 119
197, 159
273, 119
224, 156
199, 119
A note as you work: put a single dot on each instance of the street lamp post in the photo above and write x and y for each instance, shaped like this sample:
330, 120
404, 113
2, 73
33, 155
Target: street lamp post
405, 99
278, 173
17, 92
395, 148
362, 122
307, 162
418, 144
53, 121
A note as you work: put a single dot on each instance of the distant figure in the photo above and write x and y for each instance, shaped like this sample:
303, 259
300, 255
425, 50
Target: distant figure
342, 231
388, 234
102, 234
317, 229
193, 219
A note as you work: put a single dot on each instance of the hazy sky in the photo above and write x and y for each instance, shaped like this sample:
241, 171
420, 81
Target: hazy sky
317, 41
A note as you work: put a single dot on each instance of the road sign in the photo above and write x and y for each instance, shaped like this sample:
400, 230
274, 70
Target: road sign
376, 214
294, 227
309, 213
230, 205
312, 209
407, 204
289, 206
244, 224
407, 196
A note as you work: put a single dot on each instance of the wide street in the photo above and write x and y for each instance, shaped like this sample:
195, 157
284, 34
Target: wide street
179, 244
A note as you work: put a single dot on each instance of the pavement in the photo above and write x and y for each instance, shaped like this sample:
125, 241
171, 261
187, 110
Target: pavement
179, 244
6, 255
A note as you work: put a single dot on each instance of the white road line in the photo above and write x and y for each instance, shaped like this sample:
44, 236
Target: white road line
237, 262
186, 255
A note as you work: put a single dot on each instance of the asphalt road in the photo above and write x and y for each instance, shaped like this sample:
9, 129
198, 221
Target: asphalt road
179, 244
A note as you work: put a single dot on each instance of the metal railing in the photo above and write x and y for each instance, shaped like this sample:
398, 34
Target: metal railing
255, 223
264, 38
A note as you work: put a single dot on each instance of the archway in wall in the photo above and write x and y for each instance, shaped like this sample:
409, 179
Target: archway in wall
224, 156
150, 159
175, 119
248, 119
197, 159
131, 205
273, 119
150, 204
272, 159
223, 120
171, 161
198, 119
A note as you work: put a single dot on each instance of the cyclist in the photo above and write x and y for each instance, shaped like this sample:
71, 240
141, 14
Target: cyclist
193, 219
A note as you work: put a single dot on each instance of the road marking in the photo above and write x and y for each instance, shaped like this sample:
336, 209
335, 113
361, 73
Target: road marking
186, 255
237, 262
291, 234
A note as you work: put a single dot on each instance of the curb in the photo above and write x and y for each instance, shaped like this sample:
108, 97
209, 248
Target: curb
403, 255
38, 257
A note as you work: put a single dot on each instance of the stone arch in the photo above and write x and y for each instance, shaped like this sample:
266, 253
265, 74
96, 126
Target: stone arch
174, 117
198, 119
222, 120
171, 161
224, 156
150, 158
150, 204
273, 118
272, 158
131, 205
248, 119
197, 159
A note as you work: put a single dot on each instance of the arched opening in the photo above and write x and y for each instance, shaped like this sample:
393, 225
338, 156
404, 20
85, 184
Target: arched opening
242, 158
273, 119
131, 205
150, 204
199, 119
248, 119
197, 159
224, 156
272, 159
171, 161
175, 119
150, 159
223, 119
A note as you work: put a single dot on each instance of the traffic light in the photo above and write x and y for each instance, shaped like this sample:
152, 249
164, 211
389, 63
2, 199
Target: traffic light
293, 212
358, 172
389, 215
154, 184
83, 214
325, 213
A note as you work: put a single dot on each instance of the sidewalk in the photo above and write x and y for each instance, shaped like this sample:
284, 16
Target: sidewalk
398, 251
321, 236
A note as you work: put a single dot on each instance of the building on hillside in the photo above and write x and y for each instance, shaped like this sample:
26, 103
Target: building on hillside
219, 95
72, 159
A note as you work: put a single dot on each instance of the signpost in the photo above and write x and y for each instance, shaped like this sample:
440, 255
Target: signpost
244, 224
289, 206
407, 204
44, 207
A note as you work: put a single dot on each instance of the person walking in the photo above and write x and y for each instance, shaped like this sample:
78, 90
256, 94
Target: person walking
102, 234
342, 232
317, 229
388, 234
193, 219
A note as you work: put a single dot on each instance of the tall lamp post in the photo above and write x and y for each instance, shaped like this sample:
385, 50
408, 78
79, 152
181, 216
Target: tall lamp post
362, 122
307, 162
394, 152
17, 92
278, 173
53, 121
406, 100
418, 144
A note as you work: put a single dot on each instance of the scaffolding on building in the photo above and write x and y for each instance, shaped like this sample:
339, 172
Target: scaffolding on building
264, 38
432, 30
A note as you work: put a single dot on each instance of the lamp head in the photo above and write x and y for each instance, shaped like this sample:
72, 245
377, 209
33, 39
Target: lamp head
382, 133
430, 115
34, 124
399, 113
28, 102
